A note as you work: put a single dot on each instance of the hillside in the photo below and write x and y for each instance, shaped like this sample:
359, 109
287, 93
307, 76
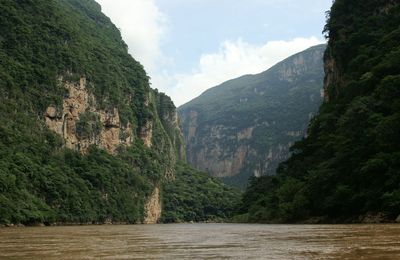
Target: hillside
245, 126
348, 167
83, 138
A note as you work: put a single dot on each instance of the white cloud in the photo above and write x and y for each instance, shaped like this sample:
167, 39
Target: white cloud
143, 27
233, 59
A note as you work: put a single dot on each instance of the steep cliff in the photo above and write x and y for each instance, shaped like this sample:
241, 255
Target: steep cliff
347, 169
81, 124
83, 137
245, 126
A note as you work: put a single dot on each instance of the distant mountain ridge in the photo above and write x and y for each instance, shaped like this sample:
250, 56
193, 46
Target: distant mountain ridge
245, 126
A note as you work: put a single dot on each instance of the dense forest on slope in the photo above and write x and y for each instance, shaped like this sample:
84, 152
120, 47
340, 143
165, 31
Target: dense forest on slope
349, 165
196, 196
245, 126
83, 138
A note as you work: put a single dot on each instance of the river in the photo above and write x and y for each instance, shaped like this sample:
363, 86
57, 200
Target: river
202, 241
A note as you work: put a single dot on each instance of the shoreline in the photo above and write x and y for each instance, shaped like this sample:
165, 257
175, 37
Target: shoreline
19, 225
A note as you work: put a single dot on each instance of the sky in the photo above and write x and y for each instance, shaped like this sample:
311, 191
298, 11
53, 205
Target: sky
188, 46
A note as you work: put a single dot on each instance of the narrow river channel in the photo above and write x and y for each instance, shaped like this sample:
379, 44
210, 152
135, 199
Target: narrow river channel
202, 241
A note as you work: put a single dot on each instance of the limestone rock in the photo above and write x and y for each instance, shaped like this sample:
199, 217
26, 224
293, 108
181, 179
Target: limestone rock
192, 125
153, 207
245, 126
78, 102
146, 133
245, 134
51, 112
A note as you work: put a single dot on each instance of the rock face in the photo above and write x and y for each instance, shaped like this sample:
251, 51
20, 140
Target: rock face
171, 123
244, 127
80, 118
146, 133
153, 207
332, 76
81, 124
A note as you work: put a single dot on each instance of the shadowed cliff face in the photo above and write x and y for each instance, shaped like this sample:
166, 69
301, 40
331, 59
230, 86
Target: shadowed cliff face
245, 126
347, 169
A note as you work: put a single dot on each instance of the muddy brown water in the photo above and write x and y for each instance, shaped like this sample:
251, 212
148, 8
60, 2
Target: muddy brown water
202, 241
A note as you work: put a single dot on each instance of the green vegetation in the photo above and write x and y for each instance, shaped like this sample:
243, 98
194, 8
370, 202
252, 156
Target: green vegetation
39, 180
42, 42
195, 196
349, 165
40, 184
170, 121
89, 125
276, 105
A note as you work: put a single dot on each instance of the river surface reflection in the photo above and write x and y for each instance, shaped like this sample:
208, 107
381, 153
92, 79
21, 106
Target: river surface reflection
202, 241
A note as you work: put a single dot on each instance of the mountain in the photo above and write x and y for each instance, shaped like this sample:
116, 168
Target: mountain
348, 167
245, 126
83, 137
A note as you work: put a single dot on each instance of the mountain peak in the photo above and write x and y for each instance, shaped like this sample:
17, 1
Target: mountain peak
245, 126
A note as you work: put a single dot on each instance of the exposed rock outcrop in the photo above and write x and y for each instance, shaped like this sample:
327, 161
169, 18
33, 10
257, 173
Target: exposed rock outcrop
192, 125
231, 164
110, 133
245, 134
245, 126
153, 207
332, 76
81, 124
146, 133
76, 115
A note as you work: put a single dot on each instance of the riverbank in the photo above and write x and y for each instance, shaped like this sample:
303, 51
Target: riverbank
369, 218
62, 224
67, 224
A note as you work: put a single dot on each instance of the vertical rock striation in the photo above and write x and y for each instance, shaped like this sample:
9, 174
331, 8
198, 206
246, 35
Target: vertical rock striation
153, 207
81, 124
245, 126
